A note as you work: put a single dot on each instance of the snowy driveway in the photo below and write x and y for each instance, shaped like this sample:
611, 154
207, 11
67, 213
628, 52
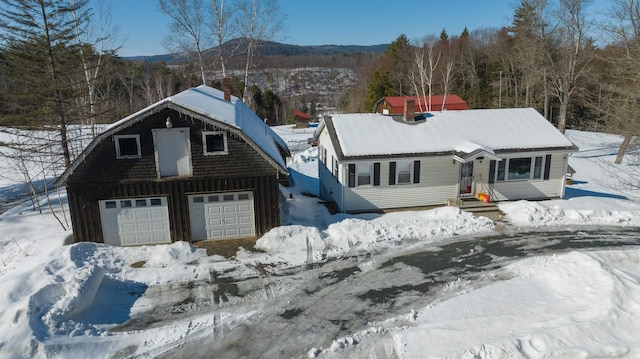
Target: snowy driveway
293, 312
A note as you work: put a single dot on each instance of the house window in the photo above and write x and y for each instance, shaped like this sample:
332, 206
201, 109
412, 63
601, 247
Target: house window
335, 166
215, 143
404, 172
537, 168
364, 174
502, 165
127, 146
518, 169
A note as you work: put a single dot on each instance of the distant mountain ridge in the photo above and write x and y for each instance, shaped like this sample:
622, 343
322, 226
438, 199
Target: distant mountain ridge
271, 48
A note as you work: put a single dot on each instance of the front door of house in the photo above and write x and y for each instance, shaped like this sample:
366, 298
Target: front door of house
173, 151
466, 179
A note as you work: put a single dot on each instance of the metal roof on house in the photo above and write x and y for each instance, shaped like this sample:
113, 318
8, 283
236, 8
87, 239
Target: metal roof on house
456, 132
438, 103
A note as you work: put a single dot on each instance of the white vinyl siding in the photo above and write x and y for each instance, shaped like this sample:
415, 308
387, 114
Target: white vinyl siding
438, 182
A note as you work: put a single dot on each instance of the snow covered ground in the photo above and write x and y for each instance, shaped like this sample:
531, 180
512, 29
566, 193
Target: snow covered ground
70, 301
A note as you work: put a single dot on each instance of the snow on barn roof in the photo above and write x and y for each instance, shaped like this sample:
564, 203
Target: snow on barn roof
360, 135
207, 104
210, 102
449, 102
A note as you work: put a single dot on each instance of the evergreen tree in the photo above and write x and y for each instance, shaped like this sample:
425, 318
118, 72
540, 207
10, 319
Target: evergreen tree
39, 44
391, 74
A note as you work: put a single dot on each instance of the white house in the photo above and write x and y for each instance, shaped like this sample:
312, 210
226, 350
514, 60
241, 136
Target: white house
373, 161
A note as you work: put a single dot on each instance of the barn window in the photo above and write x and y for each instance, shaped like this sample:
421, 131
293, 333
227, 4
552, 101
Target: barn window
127, 146
215, 143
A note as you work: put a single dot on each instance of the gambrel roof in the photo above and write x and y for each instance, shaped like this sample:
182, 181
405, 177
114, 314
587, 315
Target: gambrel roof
208, 105
461, 133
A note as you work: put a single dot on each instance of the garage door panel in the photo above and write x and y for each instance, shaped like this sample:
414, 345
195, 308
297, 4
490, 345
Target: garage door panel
214, 209
135, 221
142, 214
215, 222
221, 216
159, 226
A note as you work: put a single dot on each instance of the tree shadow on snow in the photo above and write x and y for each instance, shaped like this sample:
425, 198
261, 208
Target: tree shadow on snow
575, 193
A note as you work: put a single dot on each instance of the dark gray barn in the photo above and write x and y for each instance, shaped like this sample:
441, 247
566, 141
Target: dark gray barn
195, 166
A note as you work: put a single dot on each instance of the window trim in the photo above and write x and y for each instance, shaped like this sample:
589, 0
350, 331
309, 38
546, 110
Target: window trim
359, 168
504, 165
117, 139
214, 133
399, 165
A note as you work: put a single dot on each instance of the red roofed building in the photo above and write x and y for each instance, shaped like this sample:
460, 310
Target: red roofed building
394, 105
301, 118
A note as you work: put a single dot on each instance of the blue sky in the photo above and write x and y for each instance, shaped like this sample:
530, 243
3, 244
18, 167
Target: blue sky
323, 22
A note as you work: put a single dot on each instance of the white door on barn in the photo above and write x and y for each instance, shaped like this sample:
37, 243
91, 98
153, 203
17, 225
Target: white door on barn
173, 151
222, 216
135, 221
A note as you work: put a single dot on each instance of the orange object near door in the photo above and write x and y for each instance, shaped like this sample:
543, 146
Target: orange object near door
486, 198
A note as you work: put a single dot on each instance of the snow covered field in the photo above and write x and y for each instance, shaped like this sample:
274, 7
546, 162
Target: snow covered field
72, 301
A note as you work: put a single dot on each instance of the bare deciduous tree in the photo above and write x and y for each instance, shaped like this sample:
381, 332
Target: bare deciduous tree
257, 21
570, 61
188, 28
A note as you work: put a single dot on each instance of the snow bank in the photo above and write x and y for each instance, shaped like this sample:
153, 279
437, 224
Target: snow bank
351, 235
574, 211
568, 305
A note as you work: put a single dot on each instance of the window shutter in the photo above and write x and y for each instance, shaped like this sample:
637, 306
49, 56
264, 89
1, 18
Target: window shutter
547, 167
492, 171
392, 173
352, 175
376, 174
416, 171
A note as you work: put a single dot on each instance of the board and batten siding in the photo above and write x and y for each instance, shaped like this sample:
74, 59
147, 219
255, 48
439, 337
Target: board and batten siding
535, 188
437, 183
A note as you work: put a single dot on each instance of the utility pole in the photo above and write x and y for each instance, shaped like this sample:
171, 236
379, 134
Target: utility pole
500, 89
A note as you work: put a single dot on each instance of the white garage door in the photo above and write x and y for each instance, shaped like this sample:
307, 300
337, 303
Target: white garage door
221, 215
135, 221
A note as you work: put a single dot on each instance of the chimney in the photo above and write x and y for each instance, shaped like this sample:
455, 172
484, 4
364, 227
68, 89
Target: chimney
226, 87
409, 114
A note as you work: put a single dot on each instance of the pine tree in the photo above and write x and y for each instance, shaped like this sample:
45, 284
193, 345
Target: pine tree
39, 44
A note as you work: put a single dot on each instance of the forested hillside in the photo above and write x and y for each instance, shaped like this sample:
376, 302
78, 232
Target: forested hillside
554, 56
